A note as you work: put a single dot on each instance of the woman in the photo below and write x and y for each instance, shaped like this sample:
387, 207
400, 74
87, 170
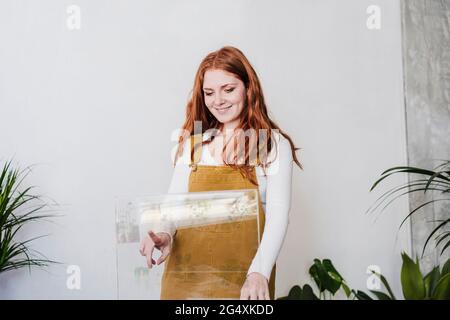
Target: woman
222, 261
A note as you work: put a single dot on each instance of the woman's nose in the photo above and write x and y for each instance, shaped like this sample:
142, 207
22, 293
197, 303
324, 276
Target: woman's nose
218, 100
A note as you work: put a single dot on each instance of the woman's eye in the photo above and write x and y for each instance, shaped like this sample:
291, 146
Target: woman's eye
208, 94
229, 90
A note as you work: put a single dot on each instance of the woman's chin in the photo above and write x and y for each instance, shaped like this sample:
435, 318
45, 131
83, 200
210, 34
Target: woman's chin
223, 119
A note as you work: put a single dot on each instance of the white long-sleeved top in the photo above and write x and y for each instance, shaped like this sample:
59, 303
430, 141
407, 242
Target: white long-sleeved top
275, 191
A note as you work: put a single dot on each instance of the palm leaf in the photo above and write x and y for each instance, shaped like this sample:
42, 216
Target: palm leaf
442, 224
437, 180
445, 247
419, 207
415, 170
390, 192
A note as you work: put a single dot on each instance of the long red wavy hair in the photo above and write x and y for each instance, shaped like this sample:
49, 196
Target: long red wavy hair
253, 116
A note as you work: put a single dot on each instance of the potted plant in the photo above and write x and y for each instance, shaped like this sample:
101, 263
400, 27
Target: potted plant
437, 180
18, 208
326, 278
435, 285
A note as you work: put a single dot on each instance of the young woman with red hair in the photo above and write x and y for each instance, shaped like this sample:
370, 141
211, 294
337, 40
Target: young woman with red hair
223, 261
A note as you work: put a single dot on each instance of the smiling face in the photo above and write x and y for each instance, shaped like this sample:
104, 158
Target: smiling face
224, 96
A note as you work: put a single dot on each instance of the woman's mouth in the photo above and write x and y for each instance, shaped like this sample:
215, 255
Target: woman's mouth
223, 110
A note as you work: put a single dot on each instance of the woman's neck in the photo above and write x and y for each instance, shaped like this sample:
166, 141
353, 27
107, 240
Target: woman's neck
229, 127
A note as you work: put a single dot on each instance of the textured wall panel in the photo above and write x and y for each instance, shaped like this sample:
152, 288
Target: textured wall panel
426, 55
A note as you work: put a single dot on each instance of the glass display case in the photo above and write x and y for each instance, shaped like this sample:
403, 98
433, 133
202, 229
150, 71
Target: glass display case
209, 226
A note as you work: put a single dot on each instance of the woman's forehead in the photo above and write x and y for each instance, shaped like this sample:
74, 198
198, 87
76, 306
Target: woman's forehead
219, 78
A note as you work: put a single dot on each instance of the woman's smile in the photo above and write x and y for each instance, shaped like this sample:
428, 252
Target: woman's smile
223, 110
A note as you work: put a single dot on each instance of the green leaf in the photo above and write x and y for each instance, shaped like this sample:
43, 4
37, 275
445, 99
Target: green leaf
412, 282
346, 289
440, 238
386, 284
410, 187
420, 207
442, 290
360, 295
313, 271
445, 247
308, 293
323, 279
295, 293
430, 280
444, 163
414, 170
328, 265
446, 268
441, 225
436, 174
380, 295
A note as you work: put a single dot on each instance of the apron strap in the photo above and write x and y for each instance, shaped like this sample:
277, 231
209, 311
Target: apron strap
196, 150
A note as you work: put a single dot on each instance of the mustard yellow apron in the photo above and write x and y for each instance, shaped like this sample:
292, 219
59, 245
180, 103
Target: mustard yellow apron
211, 262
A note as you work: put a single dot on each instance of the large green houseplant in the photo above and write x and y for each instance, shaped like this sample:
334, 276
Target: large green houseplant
18, 207
435, 284
415, 286
426, 181
327, 280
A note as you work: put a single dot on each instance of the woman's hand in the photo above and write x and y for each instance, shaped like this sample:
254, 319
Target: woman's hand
160, 241
255, 287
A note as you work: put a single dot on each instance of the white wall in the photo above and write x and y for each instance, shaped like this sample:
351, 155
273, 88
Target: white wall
94, 108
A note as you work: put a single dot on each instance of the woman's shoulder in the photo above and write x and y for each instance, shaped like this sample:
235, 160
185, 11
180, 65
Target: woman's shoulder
279, 156
279, 138
281, 146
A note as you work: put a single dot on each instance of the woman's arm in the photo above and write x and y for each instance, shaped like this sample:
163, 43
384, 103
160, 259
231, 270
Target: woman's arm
278, 204
178, 184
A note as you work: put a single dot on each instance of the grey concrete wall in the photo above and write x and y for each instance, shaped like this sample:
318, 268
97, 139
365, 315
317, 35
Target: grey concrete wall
426, 51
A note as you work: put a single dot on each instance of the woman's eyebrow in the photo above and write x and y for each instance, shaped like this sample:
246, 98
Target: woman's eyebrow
226, 84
